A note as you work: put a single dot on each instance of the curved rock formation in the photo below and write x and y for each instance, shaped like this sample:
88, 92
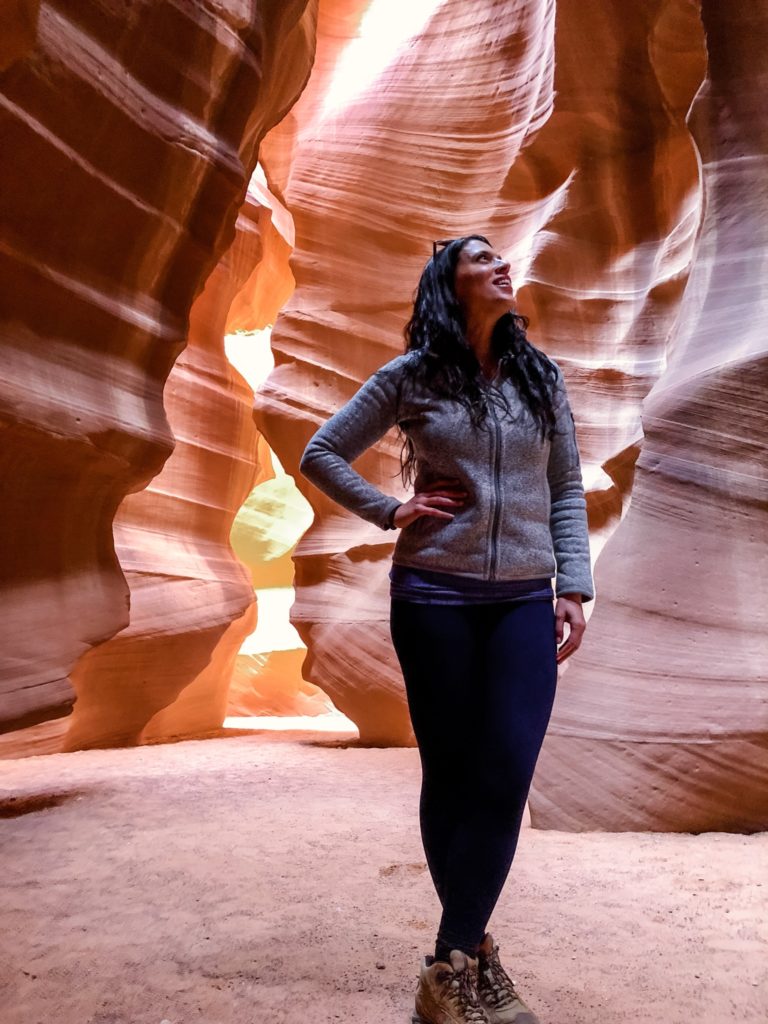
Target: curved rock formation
601, 278
547, 162
410, 174
189, 595
129, 165
662, 723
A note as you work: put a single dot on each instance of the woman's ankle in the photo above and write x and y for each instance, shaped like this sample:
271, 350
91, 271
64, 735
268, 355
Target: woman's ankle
443, 951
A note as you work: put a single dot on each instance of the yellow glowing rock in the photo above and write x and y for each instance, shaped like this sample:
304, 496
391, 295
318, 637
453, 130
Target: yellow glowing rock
269, 524
270, 283
268, 677
186, 585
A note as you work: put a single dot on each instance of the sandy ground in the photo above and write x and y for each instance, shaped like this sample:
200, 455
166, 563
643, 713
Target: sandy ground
275, 879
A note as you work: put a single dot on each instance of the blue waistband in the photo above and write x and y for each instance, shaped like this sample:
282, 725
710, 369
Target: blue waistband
428, 586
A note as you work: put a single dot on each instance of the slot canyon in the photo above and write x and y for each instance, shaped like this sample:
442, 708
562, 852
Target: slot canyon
214, 216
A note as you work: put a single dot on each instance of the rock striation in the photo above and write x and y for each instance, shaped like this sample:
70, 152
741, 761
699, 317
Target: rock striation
547, 166
129, 166
191, 600
663, 720
418, 154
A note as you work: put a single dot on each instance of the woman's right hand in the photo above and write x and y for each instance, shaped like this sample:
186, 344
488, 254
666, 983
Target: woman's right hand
430, 502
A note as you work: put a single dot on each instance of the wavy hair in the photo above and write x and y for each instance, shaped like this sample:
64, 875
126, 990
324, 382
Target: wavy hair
449, 366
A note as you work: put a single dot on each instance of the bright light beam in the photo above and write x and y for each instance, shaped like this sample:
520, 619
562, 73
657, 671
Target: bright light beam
384, 29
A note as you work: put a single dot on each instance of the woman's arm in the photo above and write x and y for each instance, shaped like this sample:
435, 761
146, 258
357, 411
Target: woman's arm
357, 426
568, 516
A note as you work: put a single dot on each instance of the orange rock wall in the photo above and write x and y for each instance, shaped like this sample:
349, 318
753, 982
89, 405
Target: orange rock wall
133, 133
187, 590
635, 235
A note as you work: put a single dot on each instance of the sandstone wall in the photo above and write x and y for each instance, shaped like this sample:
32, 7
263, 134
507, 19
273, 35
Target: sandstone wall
129, 137
636, 239
557, 130
189, 596
373, 179
663, 718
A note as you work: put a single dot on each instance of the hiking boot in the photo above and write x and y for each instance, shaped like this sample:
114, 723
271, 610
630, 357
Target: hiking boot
497, 991
447, 992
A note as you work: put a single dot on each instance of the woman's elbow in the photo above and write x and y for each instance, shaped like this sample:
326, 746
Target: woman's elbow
306, 461
313, 459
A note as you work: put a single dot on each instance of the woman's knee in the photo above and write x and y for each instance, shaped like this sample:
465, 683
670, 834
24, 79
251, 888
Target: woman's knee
504, 777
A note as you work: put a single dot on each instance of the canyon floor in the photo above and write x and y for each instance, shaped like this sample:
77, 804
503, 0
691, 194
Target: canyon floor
279, 878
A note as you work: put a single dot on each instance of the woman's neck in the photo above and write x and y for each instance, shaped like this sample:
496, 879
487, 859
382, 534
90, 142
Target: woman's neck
479, 335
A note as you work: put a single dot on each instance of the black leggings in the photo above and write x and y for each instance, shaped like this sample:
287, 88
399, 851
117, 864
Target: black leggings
480, 681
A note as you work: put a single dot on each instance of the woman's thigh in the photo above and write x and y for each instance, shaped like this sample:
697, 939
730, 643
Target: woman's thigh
439, 648
519, 681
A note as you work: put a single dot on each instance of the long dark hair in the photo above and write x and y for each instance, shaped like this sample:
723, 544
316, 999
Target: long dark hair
449, 366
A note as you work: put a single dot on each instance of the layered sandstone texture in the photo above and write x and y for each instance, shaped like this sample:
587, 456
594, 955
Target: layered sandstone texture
130, 135
191, 600
662, 722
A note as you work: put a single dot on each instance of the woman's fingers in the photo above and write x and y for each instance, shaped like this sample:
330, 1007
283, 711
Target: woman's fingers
429, 501
442, 499
436, 513
447, 492
573, 642
429, 495
443, 485
559, 622
565, 652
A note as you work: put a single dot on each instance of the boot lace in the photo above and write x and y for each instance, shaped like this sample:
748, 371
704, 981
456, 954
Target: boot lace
463, 993
497, 987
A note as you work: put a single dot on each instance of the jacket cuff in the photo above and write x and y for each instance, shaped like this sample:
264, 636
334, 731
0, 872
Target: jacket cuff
584, 587
389, 520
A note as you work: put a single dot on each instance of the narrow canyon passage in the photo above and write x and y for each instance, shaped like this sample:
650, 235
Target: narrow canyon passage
256, 879
293, 172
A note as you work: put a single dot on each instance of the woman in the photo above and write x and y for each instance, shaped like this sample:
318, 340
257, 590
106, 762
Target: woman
498, 509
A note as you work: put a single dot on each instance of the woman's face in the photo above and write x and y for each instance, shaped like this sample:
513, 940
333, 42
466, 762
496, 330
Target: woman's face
482, 282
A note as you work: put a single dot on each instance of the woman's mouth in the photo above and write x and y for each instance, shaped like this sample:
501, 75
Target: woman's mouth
504, 281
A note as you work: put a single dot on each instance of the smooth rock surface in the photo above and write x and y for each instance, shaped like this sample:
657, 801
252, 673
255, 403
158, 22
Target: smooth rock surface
637, 235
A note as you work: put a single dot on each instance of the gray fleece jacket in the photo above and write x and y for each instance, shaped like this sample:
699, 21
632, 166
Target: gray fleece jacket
525, 511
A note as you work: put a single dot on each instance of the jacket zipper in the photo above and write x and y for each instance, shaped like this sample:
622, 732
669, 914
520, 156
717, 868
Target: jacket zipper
497, 490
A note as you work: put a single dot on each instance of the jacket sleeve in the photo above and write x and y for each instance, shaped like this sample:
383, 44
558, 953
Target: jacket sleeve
357, 426
568, 514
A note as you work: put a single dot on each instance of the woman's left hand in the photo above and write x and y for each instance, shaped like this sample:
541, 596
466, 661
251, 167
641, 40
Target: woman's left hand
568, 609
